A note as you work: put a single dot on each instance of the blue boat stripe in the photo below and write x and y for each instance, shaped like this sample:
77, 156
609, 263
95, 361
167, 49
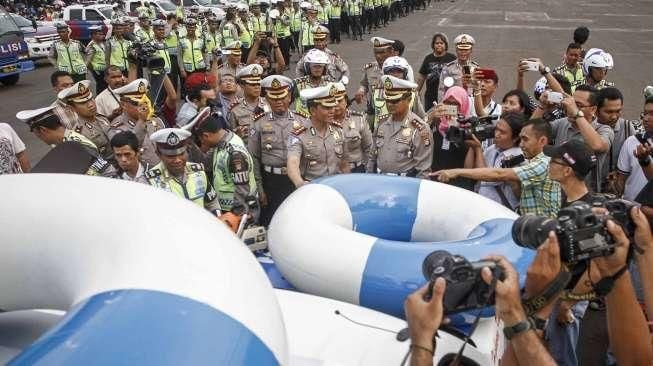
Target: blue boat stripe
379, 214
144, 327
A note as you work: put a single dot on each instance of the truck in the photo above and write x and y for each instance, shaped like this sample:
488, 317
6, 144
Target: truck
39, 37
81, 17
161, 7
14, 53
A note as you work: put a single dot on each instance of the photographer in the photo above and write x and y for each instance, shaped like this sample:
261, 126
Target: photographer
539, 194
505, 149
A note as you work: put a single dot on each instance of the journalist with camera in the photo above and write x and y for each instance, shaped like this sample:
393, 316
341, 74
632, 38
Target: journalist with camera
539, 194
578, 235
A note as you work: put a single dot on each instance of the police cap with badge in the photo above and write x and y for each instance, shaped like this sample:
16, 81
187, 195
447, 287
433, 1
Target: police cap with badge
395, 88
159, 23
250, 74
77, 93
464, 41
134, 91
39, 117
322, 95
232, 48
381, 44
341, 91
170, 141
276, 86
320, 33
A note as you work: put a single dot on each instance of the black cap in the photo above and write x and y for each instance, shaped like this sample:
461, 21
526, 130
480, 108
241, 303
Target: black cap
574, 153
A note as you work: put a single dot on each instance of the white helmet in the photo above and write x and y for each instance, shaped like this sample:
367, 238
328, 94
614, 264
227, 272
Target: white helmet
242, 7
274, 14
395, 62
315, 56
596, 57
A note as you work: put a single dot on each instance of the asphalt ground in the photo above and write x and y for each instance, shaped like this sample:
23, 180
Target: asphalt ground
505, 32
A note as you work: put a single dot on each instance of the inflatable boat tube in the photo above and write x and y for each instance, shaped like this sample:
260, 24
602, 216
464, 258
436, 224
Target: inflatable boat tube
362, 238
143, 276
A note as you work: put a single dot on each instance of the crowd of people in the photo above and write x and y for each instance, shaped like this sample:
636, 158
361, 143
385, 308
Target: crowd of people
209, 109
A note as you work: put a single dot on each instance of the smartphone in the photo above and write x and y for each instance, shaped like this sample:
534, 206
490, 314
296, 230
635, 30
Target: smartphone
554, 97
467, 70
531, 65
484, 72
450, 110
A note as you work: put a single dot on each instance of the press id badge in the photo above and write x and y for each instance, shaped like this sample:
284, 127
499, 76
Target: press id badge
445, 144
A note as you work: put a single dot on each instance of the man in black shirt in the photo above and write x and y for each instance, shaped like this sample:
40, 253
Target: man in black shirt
429, 72
570, 164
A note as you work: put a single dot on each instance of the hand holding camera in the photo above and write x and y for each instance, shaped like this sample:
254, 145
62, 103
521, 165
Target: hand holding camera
424, 316
506, 291
530, 64
568, 103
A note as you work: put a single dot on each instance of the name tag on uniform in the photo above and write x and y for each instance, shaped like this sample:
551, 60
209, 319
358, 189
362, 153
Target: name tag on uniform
445, 144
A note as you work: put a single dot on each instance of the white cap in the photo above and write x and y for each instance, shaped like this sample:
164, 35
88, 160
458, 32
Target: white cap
315, 56
242, 7
276, 86
232, 48
395, 88
170, 141
203, 114
464, 41
77, 93
32, 116
159, 23
380, 42
136, 89
341, 90
395, 62
250, 74
324, 95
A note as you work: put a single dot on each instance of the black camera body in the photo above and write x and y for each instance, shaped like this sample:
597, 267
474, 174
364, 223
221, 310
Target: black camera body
145, 54
645, 138
512, 161
483, 128
582, 235
465, 290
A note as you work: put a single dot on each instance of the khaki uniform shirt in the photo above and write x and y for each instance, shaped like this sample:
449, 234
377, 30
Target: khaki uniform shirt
402, 147
455, 70
358, 138
318, 156
96, 131
225, 69
372, 73
243, 113
123, 123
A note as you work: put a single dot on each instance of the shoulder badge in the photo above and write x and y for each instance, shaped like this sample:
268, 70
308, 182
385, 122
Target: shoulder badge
196, 167
303, 114
357, 113
153, 173
336, 123
258, 116
424, 133
298, 129
474, 63
115, 124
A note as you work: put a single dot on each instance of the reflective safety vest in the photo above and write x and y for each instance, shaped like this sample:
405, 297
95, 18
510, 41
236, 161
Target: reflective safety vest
246, 35
300, 84
228, 33
98, 60
295, 20
232, 164
192, 54
179, 12
281, 27
71, 135
145, 35
69, 57
172, 42
323, 14
336, 11
118, 55
166, 58
353, 8
381, 107
259, 24
212, 41
368, 4
194, 189
307, 34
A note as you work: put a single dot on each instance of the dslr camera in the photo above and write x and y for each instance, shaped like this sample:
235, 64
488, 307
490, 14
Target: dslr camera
582, 235
466, 289
145, 54
482, 128
512, 161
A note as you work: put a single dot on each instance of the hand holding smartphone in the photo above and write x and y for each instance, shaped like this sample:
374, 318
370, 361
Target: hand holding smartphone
529, 65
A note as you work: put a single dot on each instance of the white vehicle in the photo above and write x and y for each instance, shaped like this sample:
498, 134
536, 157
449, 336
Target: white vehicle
162, 7
39, 39
202, 4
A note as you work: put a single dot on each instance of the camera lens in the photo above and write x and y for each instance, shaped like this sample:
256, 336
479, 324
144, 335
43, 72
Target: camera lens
437, 263
530, 231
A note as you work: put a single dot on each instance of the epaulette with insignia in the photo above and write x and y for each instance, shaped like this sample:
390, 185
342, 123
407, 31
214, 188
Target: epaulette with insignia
196, 167
417, 124
357, 113
103, 119
336, 123
153, 173
367, 66
298, 130
424, 133
234, 103
303, 114
115, 124
258, 116
474, 63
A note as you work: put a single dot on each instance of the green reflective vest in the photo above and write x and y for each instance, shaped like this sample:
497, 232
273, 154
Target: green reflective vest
336, 11
98, 60
69, 57
225, 177
228, 33
295, 20
213, 40
194, 189
259, 23
145, 35
246, 35
353, 8
118, 55
166, 58
192, 54
172, 42
282, 25
307, 33
179, 12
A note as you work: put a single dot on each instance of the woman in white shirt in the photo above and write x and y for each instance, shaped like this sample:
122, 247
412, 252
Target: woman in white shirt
13, 155
503, 153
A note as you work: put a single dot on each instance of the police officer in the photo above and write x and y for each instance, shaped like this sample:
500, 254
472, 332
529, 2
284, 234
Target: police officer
354, 13
281, 24
455, 72
267, 143
68, 54
232, 167
372, 73
192, 50
159, 32
295, 24
337, 69
171, 32
176, 175
402, 142
47, 126
244, 30
258, 21
317, 149
137, 116
315, 66
355, 130
232, 65
251, 105
144, 33
213, 39
334, 20
96, 58
308, 23
117, 47
228, 28
93, 126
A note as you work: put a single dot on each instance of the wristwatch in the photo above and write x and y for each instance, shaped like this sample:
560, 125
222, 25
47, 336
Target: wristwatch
545, 71
538, 323
579, 114
521, 327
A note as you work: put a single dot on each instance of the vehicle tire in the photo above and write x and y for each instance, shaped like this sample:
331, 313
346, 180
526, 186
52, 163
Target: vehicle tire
10, 80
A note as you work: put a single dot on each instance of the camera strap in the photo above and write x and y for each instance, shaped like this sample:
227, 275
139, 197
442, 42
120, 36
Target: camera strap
537, 302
